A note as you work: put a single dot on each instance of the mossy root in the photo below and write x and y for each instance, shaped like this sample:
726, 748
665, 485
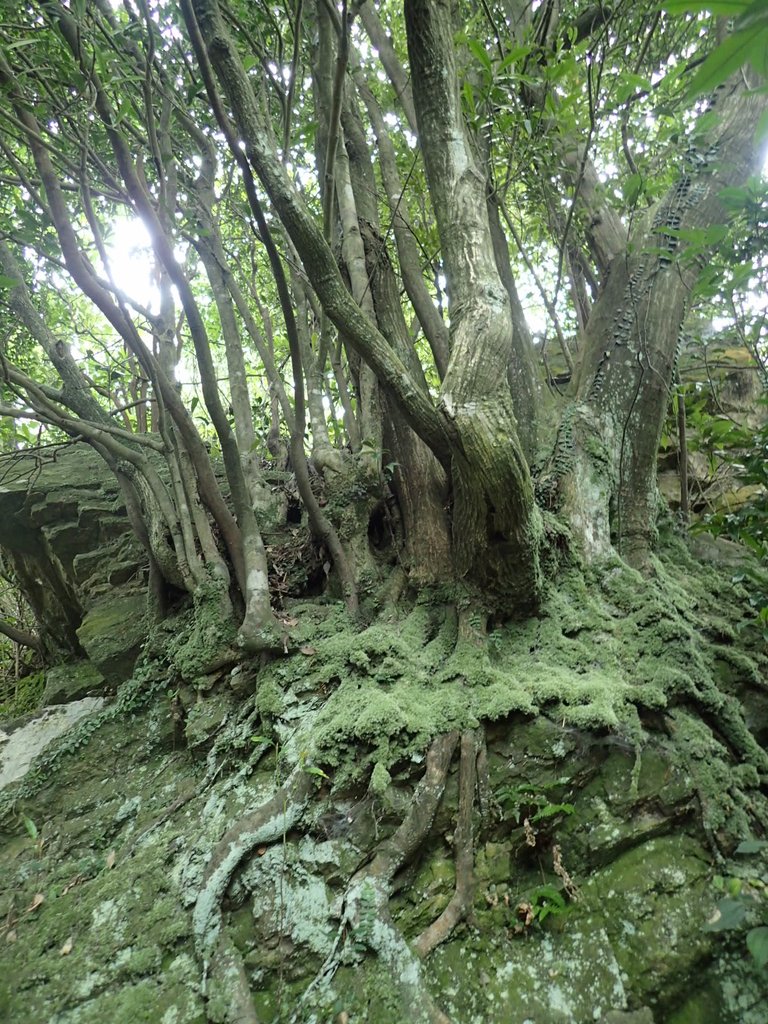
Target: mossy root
460, 904
228, 991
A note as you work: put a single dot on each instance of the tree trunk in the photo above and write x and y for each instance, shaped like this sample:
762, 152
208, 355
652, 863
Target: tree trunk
496, 526
632, 338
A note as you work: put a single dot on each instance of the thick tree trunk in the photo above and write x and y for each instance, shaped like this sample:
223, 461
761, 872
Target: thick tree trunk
495, 522
632, 338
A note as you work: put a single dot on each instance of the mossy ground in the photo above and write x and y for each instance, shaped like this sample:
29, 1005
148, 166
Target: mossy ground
608, 653
622, 703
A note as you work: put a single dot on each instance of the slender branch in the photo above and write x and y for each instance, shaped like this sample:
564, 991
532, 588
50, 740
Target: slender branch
294, 73
318, 259
392, 65
334, 125
319, 522
548, 304
20, 636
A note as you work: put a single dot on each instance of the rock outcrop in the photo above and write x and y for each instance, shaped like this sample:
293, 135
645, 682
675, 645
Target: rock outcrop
64, 530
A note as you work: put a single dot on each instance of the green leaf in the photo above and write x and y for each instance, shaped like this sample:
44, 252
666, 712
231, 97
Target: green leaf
750, 845
550, 810
8, 282
629, 85
730, 7
30, 826
17, 44
633, 187
757, 944
313, 770
729, 914
701, 237
734, 198
755, 17
547, 894
761, 132
515, 56
479, 52
721, 63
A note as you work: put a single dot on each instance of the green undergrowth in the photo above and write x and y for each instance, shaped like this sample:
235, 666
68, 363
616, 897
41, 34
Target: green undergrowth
616, 715
21, 696
608, 651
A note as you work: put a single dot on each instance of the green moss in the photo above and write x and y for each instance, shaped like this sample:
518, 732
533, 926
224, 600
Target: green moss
620, 696
22, 696
662, 888
380, 779
113, 632
426, 897
601, 647
201, 635
269, 699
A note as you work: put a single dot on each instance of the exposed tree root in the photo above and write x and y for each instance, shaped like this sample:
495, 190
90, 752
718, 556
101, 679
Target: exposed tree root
460, 904
367, 903
484, 795
234, 1004
228, 989
398, 850
366, 913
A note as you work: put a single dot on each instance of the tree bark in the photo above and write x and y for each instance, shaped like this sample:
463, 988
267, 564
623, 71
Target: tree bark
632, 338
496, 525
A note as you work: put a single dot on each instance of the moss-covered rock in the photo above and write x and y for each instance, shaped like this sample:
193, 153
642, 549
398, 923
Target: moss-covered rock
205, 718
113, 633
71, 681
64, 529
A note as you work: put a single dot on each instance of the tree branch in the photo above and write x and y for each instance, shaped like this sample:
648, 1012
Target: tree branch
20, 636
314, 251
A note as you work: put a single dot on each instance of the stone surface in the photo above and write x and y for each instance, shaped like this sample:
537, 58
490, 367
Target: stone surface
70, 682
112, 634
205, 718
128, 828
64, 528
19, 748
643, 1016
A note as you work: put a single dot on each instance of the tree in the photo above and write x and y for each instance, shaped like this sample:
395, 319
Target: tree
361, 195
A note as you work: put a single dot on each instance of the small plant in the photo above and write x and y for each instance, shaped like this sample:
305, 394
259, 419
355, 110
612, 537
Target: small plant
548, 899
743, 903
543, 902
33, 832
523, 802
311, 769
